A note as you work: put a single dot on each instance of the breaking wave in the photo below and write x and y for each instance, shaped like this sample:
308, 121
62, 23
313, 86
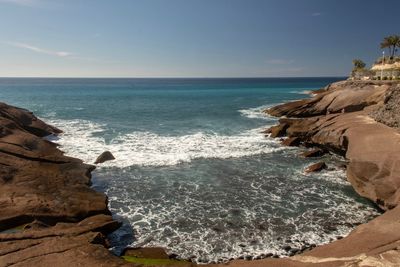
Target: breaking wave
83, 139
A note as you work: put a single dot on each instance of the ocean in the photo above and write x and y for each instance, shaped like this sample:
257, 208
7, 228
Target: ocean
193, 171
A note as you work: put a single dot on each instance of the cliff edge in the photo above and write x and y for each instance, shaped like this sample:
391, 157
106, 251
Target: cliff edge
49, 215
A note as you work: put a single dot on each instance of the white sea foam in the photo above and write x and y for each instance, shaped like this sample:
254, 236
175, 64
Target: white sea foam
83, 139
303, 92
256, 113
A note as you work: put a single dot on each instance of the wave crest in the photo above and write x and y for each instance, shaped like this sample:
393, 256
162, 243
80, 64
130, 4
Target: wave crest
82, 139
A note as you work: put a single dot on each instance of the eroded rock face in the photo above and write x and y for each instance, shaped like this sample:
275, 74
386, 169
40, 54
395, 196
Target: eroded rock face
339, 97
66, 221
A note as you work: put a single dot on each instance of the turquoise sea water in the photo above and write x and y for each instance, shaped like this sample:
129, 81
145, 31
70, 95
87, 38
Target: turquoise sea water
193, 172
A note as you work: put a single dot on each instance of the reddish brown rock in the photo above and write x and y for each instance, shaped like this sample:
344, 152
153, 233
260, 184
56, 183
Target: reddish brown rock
347, 96
60, 220
313, 153
278, 130
26, 120
291, 141
316, 167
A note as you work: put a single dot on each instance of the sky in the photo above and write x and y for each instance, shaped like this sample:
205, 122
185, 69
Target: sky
191, 38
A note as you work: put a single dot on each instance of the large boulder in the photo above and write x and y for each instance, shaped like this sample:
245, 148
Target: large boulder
105, 156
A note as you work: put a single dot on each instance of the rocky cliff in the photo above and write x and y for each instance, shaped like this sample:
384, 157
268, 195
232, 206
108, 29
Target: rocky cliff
49, 215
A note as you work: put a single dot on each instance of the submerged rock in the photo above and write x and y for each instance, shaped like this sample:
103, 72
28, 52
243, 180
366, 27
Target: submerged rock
105, 156
313, 153
317, 167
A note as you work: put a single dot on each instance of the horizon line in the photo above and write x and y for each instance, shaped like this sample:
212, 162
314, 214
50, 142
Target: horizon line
160, 77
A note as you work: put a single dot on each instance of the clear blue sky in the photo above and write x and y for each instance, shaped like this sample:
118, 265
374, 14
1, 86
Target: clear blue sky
191, 38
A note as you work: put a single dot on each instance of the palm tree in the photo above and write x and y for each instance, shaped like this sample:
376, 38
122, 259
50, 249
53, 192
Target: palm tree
391, 42
358, 64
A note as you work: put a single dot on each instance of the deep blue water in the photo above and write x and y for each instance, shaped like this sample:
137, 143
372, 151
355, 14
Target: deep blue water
193, 172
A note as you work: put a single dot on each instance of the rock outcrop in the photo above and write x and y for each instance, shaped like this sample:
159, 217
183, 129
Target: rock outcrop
105, 156
49, 215
371, 147
346, 96
316, 167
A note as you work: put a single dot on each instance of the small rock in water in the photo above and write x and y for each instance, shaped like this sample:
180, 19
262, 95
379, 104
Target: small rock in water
313, 153
248, 258
291, 141
105, 156
316, 167
286, 248
269, 255
294, 251
276, 256
339, 237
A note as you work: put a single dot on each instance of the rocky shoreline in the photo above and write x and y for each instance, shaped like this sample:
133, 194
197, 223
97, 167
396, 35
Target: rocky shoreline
51, 217
340, 119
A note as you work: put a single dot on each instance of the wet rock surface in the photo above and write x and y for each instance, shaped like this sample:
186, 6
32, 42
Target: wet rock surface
316, 167
313, 153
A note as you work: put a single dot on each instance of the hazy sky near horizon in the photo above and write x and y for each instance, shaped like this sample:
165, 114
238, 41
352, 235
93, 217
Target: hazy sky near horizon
191, 38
